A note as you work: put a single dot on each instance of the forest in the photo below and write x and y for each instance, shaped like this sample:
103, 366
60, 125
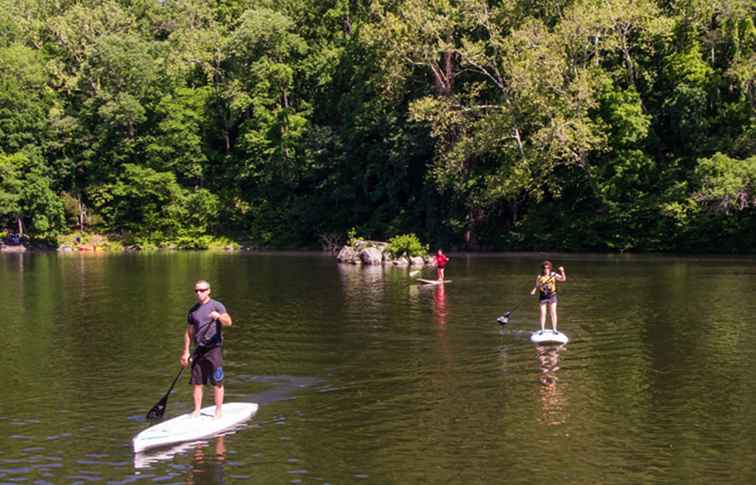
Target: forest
519, 125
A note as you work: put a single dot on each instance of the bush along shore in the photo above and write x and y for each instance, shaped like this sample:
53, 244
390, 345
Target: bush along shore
91, 242
403, 250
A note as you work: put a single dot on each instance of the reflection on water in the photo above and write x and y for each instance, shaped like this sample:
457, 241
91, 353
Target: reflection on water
363, 285
552, 397
206, 465
208, 469
145, 459
439, 305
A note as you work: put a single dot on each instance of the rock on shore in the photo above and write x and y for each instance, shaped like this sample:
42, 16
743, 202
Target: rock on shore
374, 252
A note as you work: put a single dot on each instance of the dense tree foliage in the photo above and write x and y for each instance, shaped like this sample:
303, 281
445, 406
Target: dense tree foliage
555, 124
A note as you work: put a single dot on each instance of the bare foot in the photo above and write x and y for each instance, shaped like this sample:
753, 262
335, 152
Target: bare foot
195, 414
218, 416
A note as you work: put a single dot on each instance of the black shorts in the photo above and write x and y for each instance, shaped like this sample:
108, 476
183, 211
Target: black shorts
552, 298
207, 366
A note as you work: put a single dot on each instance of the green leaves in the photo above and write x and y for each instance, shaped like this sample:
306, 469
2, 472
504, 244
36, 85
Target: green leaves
178, 145
629, 124
726, 184
407, 245
26, 195
626, 121
25, 98
147, 203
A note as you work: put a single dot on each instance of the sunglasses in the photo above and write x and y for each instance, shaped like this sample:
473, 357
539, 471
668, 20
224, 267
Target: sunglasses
200, 290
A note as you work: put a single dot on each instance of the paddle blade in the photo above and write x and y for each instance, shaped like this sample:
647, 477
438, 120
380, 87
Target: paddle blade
158, 409
504, 319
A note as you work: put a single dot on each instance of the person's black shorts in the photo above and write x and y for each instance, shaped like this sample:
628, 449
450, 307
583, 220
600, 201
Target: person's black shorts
552, 298
208, 367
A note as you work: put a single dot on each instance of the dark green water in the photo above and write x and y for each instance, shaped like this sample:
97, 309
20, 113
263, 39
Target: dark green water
364, 377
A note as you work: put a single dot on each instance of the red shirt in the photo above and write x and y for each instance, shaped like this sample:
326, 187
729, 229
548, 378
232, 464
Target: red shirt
441, 260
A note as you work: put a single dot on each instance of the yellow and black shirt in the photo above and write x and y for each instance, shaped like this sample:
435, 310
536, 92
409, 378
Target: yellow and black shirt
546, 285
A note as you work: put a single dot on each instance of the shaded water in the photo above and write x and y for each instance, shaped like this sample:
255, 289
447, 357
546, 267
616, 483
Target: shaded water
363, 376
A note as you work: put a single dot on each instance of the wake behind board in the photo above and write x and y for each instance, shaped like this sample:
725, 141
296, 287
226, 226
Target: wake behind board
549, 337
433, 282
187, 428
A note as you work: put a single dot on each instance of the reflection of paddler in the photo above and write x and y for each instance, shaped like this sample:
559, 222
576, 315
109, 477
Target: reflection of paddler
545, 284
548, 358
552, 399
208, 470
439, 299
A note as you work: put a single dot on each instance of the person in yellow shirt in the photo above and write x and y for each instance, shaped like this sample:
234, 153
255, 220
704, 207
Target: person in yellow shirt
545, 284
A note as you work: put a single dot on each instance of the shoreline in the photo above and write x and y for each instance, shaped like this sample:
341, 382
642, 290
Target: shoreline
534, 255
93, 243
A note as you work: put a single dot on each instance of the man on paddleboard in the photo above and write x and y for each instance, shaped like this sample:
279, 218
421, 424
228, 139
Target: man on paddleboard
547, 293
204, 326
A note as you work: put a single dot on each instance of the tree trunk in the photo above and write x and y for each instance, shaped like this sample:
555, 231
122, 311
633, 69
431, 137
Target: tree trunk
449, 70
443, 74
227, 140
20, 225
596, 50
627, 58
471, 240
82, 215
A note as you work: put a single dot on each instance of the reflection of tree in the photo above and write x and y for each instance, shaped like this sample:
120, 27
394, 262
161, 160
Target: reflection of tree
363, 285
208, 469
554, 405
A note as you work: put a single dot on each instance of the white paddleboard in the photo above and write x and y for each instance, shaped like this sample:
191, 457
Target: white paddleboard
549, 337
187, 428
433, 282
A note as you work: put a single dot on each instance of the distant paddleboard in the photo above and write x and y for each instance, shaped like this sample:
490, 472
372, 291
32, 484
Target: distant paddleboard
187, 428
433, 282
549, 337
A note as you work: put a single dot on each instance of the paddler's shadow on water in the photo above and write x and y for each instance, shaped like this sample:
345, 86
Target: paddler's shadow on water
277, 387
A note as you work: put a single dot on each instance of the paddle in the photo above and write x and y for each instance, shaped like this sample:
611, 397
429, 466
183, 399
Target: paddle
158, 409
504, 319
418, 271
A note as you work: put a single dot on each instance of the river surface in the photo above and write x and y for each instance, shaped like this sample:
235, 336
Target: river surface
364, 376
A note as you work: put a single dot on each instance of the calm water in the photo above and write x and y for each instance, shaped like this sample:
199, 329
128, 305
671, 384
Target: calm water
364, 377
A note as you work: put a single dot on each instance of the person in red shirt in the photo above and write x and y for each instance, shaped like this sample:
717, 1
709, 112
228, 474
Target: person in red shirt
440, 261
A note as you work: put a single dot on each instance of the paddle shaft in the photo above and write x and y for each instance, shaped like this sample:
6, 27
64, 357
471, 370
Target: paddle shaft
418, 271
513, 309
517, 306
158, 409
504, 319
175, 380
